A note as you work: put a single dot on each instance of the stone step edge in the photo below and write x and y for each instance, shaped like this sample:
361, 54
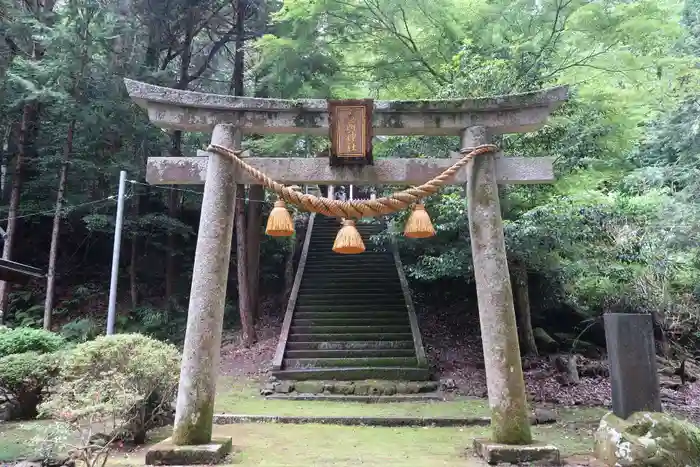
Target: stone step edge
231, 419
425, 397
443, 422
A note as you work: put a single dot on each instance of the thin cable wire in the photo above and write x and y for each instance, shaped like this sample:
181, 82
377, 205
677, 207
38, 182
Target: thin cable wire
200, 193
64, 208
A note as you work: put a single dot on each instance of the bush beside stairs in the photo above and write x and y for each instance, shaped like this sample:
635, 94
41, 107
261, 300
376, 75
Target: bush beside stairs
351, 321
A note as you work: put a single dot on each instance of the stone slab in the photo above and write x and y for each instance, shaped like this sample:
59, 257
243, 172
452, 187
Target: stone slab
533, 454
229, 419
634, 380
311, 171
354, 398
194, 111
167, 453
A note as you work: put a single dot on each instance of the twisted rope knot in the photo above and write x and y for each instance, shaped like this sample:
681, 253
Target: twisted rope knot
355, 208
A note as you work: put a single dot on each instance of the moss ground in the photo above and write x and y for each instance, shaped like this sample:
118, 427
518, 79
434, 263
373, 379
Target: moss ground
323, 445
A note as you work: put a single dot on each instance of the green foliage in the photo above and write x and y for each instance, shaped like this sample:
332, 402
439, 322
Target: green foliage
23, 378
618, 229
98, 384
80, 330
21, 340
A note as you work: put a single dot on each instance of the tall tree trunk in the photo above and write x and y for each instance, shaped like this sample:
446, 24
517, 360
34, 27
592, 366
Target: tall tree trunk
236, 87
170, 256
13, 145
53, 253
521, 299
176, 151
173, 213
5, 152
243, 292
29, 116
256, 194
244, 296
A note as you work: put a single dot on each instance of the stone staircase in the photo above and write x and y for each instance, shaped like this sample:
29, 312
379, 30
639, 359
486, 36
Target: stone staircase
351, 317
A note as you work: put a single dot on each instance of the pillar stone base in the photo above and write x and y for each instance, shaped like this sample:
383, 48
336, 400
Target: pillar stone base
167, 453
530, 454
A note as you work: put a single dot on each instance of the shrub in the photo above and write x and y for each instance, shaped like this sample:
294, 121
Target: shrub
127, 380
81, 330
23, 378
21, 340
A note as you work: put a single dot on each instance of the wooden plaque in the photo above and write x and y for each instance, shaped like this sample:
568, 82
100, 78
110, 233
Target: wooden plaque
350, 123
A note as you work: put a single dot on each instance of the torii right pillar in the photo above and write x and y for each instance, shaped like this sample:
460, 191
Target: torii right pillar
510, 423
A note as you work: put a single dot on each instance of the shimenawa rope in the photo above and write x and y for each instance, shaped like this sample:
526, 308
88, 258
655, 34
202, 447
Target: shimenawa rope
355, 208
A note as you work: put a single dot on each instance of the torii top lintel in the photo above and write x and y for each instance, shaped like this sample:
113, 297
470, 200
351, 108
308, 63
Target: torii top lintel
195, 111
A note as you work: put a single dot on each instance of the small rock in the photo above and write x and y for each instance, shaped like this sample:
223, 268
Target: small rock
594, 369
27, 464
412, 388
284, 387
59, 462
529, 363
345, 388
6, 411
669, 383
362, 389
309, 387
429, 386
565, 380
448, 385
100, 439
540, 374
273, 379
647, 439
544, 416
267, 390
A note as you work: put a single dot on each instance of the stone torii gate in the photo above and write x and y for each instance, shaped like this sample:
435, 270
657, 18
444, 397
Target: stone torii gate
229, 117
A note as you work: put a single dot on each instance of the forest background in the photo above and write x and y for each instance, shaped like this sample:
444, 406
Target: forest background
618, 231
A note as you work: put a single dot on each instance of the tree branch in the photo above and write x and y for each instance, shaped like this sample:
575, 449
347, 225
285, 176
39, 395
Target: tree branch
218, 45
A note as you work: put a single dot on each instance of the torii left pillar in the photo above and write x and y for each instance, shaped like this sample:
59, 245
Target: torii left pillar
194, 414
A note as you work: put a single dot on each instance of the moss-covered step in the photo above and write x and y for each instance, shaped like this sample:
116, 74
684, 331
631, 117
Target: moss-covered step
351, 259
322, 281
368, 387
353, 374
350, 314
363, 321
322, 277
350, 345
318, 297
350, 337
299, 363
340, 268
350, 353
352, 307
383, 287
383, 329
326, 266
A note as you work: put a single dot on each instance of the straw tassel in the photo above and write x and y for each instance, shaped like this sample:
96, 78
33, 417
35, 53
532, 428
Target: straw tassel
348, 241
280, 223
418, 224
